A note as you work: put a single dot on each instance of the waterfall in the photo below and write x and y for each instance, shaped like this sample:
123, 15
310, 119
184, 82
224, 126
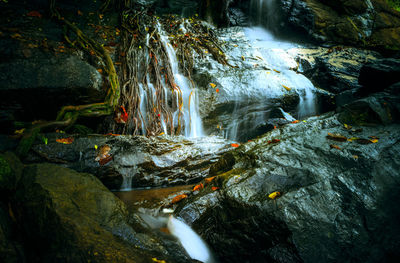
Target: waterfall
191, 242
264, 11
190, 110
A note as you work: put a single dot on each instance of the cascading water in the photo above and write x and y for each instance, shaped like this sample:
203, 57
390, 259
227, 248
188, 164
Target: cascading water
190, 111
278, 81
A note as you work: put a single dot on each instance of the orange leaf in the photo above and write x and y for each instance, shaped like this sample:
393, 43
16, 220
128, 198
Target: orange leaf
178, 198
235, 145
295, 121
333, 146
100, 70
209, 180
34, 14
198, 187
214, 188
217, 90
68, 140
105, 160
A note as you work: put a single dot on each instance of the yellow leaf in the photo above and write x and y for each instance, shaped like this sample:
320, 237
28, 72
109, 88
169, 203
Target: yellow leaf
355, 157
286, 87
161, 134
268, 72
95, 146
352, 139
243, 58
147, 29
212, 85
21, 131
374, 140
274, 195
158, 260
347, 127
140, 46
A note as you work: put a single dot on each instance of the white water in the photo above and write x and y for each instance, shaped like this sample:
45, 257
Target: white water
190, 110
191, 242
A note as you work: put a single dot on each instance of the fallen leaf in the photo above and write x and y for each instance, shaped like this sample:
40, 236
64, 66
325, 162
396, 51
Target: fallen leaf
274, 195
287, 88
235, 145
103, 161
67, 140
295, 121
20, 131
100, 70
214, 188
334, 146
213, 85
209, 180
198, 187
355, 157
80, 13
217, 90
16, 35
274, 141
364, 141
101, 16
277, 71
374, 140
336, 137
34, 14
112, 134
347, 127
158, 260
178, 198
243, 58
95, 146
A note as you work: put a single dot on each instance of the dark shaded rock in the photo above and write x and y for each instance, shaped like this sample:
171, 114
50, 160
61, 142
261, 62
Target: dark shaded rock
335, 69
10, 172
10, 250
71, 217
379, 74
136, 161
379, 108
334, 204
371, 24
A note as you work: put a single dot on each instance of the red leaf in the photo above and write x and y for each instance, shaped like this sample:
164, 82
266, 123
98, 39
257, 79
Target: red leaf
68, 140
104, 161
274, 141
235, 145
295, 121
34, 14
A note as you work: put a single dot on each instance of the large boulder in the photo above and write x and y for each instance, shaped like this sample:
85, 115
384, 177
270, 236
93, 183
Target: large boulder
318, 191
68, 216
135, 161
379, 74
362, 23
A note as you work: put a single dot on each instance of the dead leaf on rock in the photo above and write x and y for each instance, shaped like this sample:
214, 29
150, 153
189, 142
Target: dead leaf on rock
334, 146
336, 137
274, 195
178, 198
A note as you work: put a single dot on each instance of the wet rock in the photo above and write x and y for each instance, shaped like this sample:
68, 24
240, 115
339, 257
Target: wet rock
135, 161
335, 202
379, 74
361, 23
72, 217
334, 69
237, 99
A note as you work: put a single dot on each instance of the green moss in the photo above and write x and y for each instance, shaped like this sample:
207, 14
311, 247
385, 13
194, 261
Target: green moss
395, 4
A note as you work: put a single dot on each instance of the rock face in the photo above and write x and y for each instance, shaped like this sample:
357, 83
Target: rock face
71, 217
362, 23
136, 161
337, 191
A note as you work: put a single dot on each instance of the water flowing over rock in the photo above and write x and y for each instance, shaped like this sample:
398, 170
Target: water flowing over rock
299, 193
263, 76
137, 161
